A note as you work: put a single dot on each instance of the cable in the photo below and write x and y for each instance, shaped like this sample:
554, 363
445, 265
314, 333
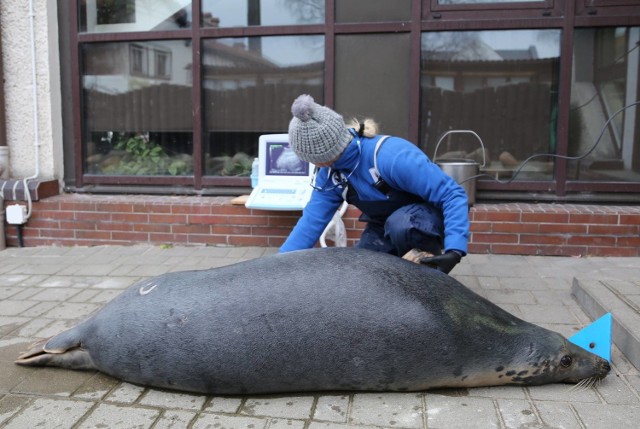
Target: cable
553, 155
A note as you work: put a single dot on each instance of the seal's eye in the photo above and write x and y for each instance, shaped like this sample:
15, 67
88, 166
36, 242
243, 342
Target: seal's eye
566, 361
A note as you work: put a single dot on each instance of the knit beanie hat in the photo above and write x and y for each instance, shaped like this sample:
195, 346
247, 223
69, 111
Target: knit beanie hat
317, 134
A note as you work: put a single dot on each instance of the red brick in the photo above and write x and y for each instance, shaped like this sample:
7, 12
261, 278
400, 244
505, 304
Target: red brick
93, 235
77, 225
614, 229
480, 227
613, 251
131, 217
630, 219
168, 238
542, 239
151, 208
190, 209
538, 217
167, 218
191, 229
244, 240
207, 239
114, 207
629, 241
479, 248
594, 218
93, 216
115, 226
494, 238
592, 240
496, 217
562, 228
231, 229
208, 219
49, 214
152, 227
86, 206
515, 227
278, 232
133, 237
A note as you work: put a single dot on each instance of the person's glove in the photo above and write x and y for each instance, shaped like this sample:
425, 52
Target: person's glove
444, 262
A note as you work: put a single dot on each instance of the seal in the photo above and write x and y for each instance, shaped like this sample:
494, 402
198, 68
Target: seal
313, 320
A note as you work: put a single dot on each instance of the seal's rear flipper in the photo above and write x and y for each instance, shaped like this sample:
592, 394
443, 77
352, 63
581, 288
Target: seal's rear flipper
596, 338
70, 355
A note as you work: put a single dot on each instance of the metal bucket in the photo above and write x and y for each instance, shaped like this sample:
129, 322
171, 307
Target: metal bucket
463, 171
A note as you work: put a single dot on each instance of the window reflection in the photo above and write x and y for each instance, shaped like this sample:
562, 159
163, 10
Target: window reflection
137, 108
605, 80
485, 1
248, 87
235, 13
99, 16
500, 84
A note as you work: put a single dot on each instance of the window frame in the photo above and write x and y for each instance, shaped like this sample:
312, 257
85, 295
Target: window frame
427, 15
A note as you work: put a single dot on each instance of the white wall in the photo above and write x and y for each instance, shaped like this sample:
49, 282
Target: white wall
15, 31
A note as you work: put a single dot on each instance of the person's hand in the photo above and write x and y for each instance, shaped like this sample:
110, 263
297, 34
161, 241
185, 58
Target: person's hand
444, 262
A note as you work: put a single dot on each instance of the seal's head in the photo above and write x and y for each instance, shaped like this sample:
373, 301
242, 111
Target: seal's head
557, 361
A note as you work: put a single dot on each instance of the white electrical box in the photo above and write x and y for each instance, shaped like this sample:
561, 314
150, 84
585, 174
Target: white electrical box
16, 214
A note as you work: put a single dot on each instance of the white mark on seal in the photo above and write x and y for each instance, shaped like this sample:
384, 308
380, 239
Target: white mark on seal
143, 289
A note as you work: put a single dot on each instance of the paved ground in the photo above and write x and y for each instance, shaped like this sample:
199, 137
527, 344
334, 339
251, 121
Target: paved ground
45, 290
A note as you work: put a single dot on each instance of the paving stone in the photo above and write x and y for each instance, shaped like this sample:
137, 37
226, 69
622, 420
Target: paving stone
330, 425
223, 404
286, 424
332, 408
175, 419
561, 392
461, 412
7, 292
10, 307
215, 421
557, 415
52, 381
9, 406
50, 414
403, 410
55, 294
10, 324
608, 416
126, 393
96, 387
517, 413
71, 310
165, 400
114, 416
616, 391
288, 407
504, 392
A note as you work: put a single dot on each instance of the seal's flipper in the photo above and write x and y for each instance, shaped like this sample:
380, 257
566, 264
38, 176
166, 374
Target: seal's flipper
57, 351
596, 337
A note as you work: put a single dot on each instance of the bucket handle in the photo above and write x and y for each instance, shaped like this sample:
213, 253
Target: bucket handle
484, 159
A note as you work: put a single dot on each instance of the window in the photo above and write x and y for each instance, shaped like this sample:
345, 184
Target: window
136, 123
248, 87
604, 117
174, 93
503, 85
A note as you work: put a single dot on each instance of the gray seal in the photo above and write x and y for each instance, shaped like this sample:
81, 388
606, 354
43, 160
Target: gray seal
313, 320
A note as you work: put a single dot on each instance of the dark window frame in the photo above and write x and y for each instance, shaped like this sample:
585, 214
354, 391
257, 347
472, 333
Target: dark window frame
566, 15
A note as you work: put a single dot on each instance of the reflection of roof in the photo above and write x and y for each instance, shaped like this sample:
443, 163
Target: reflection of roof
479, 51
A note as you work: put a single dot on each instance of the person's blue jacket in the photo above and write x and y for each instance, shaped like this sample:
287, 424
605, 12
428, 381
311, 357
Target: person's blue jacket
403, 166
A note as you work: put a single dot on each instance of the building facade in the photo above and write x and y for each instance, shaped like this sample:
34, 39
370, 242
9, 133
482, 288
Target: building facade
168, 98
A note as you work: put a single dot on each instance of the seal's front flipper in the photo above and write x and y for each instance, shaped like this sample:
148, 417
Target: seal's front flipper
596, 338
61, 350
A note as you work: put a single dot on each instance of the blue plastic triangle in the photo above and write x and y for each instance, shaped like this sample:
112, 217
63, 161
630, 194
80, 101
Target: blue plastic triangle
596, 337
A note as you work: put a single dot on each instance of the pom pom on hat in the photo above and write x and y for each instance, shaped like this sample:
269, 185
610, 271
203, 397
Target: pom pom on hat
317, 134
302, 107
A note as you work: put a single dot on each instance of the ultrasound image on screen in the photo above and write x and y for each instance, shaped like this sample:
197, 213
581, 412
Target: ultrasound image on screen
282, 161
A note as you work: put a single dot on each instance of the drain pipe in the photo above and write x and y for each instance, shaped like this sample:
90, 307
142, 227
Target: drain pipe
4, 149
36, 126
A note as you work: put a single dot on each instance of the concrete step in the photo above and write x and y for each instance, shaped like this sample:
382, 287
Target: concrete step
621, 299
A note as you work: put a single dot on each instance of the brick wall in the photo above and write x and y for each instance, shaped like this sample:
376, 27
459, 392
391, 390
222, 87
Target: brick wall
514, 228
